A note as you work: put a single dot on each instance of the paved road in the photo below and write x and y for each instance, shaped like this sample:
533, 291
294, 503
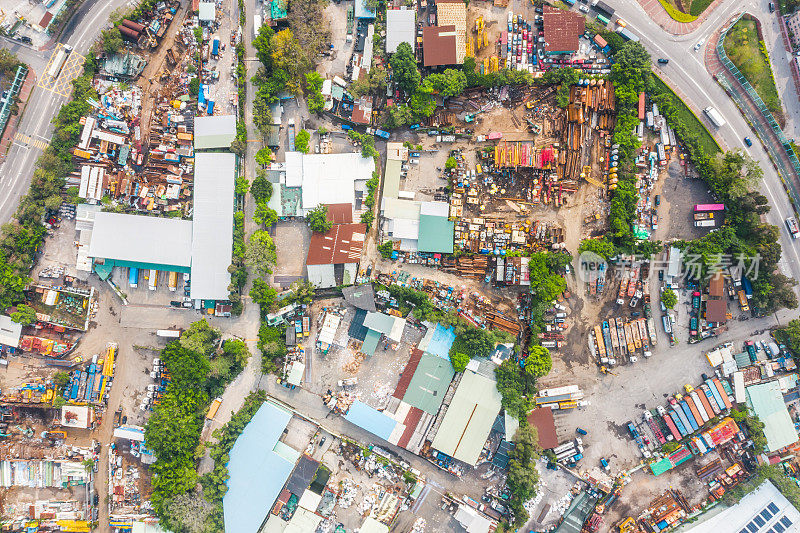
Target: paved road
17, 169
686, 71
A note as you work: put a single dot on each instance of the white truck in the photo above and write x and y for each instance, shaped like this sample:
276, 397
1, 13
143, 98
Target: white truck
791, 223
714, 116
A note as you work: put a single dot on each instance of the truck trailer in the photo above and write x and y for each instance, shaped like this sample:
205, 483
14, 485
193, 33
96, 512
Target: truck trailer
714, 117
133, 277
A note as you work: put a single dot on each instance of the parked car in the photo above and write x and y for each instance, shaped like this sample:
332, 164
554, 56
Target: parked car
748, 141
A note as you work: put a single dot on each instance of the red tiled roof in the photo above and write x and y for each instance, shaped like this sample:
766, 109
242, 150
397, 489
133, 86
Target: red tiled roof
340, 245
542, 419
439, 45
340, 213
408, 373
561, 30
716, 306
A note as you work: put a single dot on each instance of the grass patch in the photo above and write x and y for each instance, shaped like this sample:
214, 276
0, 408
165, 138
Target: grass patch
677, 14
692, 122
751, 58
698, 6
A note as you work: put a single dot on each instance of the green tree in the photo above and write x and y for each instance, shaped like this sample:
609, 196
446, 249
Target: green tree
272, 344
398, 116
602, 247
263, 295
451, 163
301, 291
242, 186
25, 315
112, 40
317, 219
264, 215
422, 104
459, 361
404, 68
522, 474
538, 363
260, 255
264, 156
261, 189
791, 336
194, 87
263, 45
451, 82
669, 298
301, 141
386, 249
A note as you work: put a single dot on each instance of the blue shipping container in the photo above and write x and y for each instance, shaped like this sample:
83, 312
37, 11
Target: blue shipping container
133, 277
688, 413
715, 392
678, 424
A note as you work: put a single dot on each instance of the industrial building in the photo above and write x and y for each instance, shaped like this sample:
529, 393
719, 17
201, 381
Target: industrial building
217, 131
10, 332
446, 43
400, 28
418, 226
202, 246
469, 418
764, 509
333, 256
327, 178
766, 401
258, 450
561, 30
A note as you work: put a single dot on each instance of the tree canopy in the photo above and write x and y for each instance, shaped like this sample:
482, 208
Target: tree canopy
317, 219
260, 255
25, 315
301, 141
669, 298
261, 188
404, 68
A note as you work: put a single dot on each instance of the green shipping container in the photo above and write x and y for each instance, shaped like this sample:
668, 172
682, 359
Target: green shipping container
603, 19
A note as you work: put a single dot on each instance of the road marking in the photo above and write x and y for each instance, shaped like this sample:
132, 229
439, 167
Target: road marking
72, 68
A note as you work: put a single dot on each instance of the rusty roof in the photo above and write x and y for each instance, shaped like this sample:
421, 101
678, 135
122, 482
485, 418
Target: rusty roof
542, 418
340, 245
439, 45
561, 30
340, 213
716, 287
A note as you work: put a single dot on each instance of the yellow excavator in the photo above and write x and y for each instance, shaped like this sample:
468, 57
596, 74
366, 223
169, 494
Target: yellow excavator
605, 370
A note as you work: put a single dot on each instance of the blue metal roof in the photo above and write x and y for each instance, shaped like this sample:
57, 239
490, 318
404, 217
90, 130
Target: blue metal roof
369, 419
443, 338
251, 493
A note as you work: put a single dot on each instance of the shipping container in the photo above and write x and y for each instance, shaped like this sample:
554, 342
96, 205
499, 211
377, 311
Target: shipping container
133, 277
700, 407
714, 117
689, 417
153, 279
722, 393
738, 387
706, 404
717, 397
710, 223
712, 401
173, 281
168, 333
680, 421
213, 408
672, 427
709, 207
694, 410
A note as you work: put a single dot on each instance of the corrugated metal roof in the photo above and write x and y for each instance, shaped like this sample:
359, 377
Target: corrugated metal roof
469, 418
766, 401
400, 26
435, 234
360, 296
396, 208
207, 11
542, 418
340, 213
217, 131
561, 30
454, 13
327, 178
369, 419
10, 332
379, 322
408, 373
339, 245
439, 45
370, 343
212, 231
143, 239
429, 383
391, 178
250, 493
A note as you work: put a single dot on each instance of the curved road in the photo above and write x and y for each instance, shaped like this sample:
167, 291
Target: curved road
687, 72
17, 169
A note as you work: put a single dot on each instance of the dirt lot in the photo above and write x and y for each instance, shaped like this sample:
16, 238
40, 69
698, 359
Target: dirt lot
675, 212
291, 239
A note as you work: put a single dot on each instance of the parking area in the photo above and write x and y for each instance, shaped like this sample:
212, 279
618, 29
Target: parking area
675, 212
222, 88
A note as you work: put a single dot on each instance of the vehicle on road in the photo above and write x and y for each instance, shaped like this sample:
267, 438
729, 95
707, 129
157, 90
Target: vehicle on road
663, 61
700, 43
771, 7
791, 223
748, 141
714, 116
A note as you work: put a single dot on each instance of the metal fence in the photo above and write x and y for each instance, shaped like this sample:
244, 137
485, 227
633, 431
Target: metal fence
765, 125
11, 98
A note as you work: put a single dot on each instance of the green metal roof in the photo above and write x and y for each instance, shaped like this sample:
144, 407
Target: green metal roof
370, 342
435, 234
469, 418
766, 401
391, 179
659, 467
429, 383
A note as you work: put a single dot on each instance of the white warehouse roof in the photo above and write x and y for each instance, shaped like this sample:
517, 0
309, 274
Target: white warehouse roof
142, 239
217, 131
327, 178
400, 25
212, 232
